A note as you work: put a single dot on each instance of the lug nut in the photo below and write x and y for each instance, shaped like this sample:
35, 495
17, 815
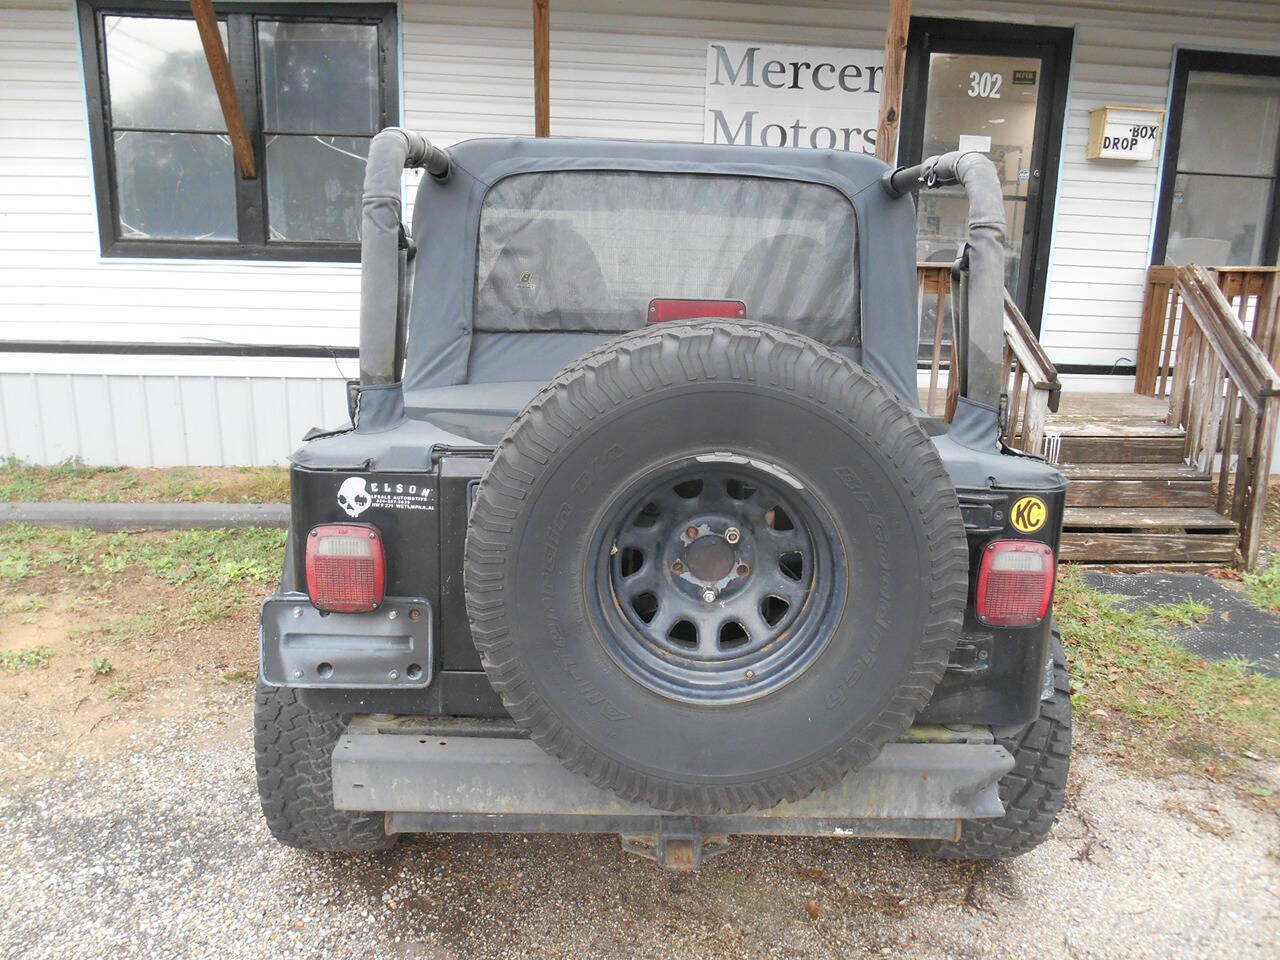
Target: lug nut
709, 595
391, 614
732, 535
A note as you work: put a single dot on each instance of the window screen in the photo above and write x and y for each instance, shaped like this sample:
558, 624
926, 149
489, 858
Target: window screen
588, 250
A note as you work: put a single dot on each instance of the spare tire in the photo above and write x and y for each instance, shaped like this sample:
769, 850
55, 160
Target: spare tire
715, 565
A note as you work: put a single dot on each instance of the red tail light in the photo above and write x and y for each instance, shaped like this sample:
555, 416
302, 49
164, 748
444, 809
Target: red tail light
346, 567
664, 311
1015, 583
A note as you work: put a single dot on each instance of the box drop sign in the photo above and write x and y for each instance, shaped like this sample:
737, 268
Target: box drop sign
1119, 133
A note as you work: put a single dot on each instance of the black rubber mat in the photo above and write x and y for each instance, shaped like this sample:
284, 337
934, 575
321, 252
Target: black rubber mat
1235, 627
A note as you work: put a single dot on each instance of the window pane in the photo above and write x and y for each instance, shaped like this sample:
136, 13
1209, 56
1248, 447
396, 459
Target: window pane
1218, 221
588, 250
314, 185
319, 77
158, 76
984, 103
1230, 123
175, 186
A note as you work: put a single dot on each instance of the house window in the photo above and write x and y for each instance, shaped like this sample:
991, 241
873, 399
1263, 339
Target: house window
1220, 205
313, 87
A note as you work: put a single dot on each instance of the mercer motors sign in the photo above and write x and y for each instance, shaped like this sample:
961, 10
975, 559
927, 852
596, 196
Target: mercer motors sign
778, 95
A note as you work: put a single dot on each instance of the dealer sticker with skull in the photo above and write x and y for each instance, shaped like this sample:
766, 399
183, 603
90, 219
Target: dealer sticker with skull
358, 494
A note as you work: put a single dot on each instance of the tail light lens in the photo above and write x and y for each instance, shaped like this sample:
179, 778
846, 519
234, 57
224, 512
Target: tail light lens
1015, 583
665, 311
346, 567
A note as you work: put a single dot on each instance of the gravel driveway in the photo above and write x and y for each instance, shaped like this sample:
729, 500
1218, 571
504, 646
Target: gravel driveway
160, 852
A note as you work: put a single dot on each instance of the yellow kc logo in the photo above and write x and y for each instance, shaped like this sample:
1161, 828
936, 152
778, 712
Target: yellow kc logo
1028, 514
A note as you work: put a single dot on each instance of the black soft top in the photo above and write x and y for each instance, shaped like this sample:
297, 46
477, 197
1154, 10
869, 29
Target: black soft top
446, 329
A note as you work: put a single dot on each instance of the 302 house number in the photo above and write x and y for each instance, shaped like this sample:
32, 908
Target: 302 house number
985, 85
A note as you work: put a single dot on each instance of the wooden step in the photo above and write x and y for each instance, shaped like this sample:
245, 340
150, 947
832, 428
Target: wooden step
1148, 548
1139, 493
1132, 471
1094, 427
1145, 518
1089, 439
1121, 449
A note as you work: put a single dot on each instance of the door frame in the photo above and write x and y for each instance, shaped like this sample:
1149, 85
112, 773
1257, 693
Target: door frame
1211, 61
1053, 45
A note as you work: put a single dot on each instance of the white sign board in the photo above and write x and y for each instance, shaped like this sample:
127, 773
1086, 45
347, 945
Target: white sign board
781, 95
1124, 133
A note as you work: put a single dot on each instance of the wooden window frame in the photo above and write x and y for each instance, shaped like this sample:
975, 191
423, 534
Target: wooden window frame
251, 195
1210, 61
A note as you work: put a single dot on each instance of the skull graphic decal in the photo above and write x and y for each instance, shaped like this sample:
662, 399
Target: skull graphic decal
353, 496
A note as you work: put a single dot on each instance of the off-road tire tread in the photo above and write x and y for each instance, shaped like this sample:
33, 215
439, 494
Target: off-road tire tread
292, 749
1034, 791
718, 350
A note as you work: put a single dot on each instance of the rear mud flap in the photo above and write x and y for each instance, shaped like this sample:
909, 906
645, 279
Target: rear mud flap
478, 784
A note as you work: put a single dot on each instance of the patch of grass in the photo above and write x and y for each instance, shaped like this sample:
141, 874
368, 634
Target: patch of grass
24, 481
1151, 697
31, 658
207, 607
1188, 613
132, 628
1263, 588
75, 480
120, 691
212, 558
216, 560
239, 676
101, 666
27, 604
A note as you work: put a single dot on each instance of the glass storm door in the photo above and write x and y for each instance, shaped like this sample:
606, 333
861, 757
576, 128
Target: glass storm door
973, 90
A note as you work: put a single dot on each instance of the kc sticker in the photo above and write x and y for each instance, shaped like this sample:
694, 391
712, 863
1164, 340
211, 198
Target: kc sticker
1028, 514
356, 495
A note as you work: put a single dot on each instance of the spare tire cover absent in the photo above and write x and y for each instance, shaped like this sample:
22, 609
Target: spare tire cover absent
715, 565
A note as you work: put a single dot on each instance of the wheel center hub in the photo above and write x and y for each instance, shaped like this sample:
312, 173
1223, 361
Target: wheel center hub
709, 558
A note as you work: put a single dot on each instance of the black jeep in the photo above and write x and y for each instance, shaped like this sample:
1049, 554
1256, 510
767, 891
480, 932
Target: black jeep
638, 526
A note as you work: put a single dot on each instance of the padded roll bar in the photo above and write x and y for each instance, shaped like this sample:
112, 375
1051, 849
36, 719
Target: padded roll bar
381, 277
980, 331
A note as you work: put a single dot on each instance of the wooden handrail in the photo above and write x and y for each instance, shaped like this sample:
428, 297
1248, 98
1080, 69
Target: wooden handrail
1031, 380
1223, 386
1253, 294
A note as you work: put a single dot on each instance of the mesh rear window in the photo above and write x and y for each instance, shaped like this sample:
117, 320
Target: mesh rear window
587, 251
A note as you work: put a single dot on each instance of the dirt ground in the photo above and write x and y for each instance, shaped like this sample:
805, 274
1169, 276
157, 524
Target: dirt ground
129, 824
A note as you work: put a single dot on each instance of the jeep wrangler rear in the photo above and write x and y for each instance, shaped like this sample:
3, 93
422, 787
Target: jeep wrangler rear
638, 526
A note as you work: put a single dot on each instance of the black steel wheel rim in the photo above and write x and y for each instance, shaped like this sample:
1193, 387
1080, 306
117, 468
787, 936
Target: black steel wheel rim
718, 578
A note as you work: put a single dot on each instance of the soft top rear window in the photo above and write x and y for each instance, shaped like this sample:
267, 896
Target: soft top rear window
588, 250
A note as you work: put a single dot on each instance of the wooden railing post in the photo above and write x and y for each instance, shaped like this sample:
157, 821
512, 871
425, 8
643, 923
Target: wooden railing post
1151, 332
1221, 373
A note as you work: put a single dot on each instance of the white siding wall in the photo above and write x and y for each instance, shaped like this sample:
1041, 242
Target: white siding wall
619, 69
